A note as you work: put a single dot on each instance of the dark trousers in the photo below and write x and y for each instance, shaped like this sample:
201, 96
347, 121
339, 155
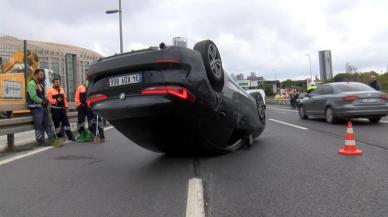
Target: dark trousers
83, 113
61, 123
41, 124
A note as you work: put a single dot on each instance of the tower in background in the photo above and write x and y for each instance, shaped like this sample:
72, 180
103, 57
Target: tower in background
325, 65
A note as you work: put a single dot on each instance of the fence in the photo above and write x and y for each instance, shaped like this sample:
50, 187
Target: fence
285, 102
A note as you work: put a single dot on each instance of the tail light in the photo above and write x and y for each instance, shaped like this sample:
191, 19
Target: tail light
349, 98
94, 99
384, 96
176, 91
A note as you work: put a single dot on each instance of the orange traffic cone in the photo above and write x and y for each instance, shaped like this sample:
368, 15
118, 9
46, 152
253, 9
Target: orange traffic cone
350, 144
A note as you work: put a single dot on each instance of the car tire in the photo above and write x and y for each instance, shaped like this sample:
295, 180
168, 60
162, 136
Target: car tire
329, 115
212, 60
260, 107
374, 120
302, 113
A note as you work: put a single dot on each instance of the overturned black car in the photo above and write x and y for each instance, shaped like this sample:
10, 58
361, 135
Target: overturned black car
171, 99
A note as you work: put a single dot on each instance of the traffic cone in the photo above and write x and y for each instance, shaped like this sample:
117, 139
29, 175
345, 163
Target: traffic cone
350, 144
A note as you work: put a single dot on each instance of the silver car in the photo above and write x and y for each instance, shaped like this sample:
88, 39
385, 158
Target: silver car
344, 100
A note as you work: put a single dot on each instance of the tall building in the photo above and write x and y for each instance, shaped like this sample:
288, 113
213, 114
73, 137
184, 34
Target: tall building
240, 77
68, 61
325, 65
180, 42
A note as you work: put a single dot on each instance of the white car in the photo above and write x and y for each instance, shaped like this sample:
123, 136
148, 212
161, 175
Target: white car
253, 92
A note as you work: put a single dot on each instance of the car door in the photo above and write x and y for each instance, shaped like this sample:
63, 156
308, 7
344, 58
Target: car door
310, 104
320, 100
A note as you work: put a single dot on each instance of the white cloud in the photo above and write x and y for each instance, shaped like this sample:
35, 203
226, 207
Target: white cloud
262, 36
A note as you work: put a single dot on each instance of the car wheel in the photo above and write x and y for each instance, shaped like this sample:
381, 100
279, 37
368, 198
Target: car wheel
213, 64
374, 120
329, 115
260, 107
302, 113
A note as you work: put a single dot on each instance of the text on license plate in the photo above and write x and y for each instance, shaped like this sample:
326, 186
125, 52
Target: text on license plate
126, 79
369, 100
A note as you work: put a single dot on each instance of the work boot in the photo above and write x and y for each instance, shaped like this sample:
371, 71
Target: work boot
50, 140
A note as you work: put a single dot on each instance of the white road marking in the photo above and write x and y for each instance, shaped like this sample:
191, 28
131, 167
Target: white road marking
17, 157
288, 124
278, 109
36, 151
195, 201
108, 128
385, 122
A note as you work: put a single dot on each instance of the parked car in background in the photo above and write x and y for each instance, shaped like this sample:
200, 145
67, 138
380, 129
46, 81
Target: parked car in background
344, 100
170, 99
255, 92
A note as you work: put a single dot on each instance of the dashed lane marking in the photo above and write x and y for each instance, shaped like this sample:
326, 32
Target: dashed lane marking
195, 206
288, 124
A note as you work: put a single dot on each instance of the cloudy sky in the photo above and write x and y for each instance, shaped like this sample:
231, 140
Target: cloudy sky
262, 36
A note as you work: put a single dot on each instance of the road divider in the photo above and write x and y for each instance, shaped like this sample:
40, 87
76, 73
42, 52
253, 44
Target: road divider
288, 124
195, 206
279, 109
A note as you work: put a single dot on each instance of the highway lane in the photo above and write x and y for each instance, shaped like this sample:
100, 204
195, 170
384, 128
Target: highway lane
116, 178
366, 133
295, 172
289, 171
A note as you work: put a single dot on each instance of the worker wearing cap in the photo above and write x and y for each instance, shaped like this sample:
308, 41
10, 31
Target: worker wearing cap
37, 103
85, 112
58, 104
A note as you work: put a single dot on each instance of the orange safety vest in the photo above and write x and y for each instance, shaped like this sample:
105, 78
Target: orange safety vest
80, 95
53, 94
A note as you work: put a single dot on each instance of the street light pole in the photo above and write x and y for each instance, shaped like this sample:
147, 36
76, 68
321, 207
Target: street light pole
121, 28
120, 24
311, 75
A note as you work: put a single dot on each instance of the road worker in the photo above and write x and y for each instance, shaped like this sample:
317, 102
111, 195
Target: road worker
58, 104
37, 103
85, 112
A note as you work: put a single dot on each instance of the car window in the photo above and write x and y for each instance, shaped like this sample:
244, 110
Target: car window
326, 90
352, 87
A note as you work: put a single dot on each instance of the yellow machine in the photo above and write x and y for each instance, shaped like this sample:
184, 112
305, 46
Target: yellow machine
12, 79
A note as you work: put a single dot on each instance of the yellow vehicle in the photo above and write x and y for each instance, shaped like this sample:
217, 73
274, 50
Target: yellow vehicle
12, 79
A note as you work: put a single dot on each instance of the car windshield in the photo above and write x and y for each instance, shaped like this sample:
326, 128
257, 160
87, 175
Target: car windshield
353, 87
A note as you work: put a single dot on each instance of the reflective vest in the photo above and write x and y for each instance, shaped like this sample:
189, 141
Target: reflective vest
35, 94
311, 88
80, 95
53, 94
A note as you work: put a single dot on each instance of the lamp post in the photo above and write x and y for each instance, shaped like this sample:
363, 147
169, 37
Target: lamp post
120, 24
311, 75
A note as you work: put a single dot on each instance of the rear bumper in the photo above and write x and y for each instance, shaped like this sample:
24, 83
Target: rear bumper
362, 111
155, 121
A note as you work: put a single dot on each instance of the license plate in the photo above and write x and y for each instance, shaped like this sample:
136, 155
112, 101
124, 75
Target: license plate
126, 79
369, 100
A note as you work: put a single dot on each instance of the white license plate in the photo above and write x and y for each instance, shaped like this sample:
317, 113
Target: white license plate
126, 79
369, 100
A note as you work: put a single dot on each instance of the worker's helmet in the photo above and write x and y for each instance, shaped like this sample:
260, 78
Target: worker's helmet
312, 83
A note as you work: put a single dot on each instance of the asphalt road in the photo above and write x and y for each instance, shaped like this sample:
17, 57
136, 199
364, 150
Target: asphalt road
289, 171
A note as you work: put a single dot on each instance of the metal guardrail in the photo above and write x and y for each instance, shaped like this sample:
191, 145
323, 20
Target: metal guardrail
11, 125
278, 101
